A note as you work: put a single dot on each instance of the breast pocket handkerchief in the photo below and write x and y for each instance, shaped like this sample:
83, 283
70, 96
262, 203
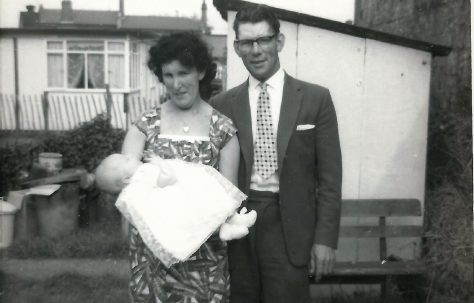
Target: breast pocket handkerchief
304, 126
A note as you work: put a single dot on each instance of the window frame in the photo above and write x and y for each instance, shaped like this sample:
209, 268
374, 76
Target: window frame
105, 52
134, 65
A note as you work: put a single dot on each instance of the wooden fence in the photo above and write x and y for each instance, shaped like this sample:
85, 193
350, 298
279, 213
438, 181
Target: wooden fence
63, 111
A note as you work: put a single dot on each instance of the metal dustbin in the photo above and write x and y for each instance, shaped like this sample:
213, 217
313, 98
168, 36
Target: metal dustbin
57, 214
7, 223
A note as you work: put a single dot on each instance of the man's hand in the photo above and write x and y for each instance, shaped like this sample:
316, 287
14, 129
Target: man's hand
322, 260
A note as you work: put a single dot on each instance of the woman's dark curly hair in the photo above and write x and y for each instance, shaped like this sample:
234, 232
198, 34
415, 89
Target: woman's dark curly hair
189, 50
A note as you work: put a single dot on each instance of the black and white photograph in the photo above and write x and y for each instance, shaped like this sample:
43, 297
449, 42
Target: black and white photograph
231, 151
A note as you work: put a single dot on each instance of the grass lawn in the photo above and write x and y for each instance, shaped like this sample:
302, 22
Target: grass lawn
75, 288
99, 240
70, 288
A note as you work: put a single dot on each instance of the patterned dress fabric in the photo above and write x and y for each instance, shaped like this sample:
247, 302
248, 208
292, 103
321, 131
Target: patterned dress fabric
265, 147
204, 277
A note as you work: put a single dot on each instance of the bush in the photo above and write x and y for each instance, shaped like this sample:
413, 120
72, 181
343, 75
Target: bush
449, 212
84, 146
449, 256
450, 151
15, 160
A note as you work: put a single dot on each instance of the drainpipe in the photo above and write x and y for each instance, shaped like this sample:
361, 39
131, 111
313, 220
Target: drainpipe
17, 85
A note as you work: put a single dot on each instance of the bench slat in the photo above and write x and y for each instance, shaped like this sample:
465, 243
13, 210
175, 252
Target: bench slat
376, 268
381, 207
380, 231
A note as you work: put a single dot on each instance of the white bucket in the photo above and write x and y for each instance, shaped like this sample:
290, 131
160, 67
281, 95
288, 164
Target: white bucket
51, 162
7, 220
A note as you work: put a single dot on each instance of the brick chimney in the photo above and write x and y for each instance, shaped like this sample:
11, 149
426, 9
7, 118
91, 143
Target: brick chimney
30, 18
66, 11
205, 29
121, 14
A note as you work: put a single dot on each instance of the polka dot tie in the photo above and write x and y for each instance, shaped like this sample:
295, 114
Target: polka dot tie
265, 155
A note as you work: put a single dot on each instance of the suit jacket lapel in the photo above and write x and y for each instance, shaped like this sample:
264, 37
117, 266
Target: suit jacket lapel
290, 107
243, 121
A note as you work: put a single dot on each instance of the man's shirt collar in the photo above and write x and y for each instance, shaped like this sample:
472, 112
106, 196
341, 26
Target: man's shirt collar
274, 81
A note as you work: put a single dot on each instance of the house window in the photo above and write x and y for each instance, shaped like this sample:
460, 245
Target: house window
116, 66
86, 64
134, 65
55, 64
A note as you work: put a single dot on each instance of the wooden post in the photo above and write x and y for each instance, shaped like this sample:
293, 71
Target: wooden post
108, 102
383, 258
17, 112
125, 109
45, 110
66, 118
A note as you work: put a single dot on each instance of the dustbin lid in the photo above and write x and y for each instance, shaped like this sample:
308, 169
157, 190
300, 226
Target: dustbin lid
7, 208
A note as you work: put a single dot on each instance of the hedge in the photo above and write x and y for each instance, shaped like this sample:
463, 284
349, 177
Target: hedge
84, 146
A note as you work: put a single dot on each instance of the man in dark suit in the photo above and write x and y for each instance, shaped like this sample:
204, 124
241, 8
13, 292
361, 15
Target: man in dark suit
290, 167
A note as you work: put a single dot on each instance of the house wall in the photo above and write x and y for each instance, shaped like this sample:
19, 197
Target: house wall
68, 107
31, 65
381, 94
32, 62
7, 70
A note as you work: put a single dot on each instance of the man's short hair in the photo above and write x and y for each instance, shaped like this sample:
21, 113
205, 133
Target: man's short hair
254, 14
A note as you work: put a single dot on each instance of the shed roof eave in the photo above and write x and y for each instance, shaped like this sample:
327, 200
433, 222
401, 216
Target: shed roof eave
223, 6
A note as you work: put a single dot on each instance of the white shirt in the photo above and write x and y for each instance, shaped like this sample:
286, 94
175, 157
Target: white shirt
275, 91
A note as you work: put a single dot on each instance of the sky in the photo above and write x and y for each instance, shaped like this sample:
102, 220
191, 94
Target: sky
339, 10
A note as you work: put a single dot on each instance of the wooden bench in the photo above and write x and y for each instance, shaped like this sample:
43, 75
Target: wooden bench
381, 271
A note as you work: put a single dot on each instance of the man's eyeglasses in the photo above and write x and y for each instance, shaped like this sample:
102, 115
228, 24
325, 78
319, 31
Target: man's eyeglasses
245, 45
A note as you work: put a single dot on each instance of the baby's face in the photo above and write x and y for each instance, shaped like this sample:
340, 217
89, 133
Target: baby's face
129, 165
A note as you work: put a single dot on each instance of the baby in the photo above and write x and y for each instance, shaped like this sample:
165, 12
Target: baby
115, 172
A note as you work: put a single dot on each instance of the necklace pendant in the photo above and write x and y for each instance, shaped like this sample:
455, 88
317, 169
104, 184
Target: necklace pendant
186, 129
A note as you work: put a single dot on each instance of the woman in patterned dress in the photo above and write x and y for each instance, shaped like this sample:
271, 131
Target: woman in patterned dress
185, 127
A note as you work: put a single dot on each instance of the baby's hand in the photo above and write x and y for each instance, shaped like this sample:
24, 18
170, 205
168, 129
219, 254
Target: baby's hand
166, 175
229, 232
243, 218
164, 179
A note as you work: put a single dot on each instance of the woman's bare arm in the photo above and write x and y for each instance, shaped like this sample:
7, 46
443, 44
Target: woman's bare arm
134, 143
229, 160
